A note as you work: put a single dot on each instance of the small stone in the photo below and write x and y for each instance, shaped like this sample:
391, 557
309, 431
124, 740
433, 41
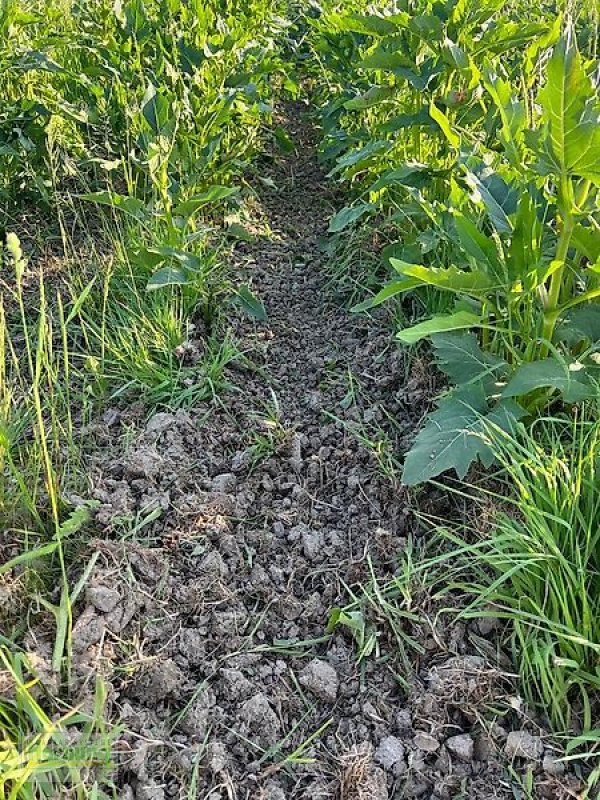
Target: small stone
321, 679
213, 566
296, 460
314, 401
483, 749
521, 744
461, 746
224, 483
312, 544
273, 791
375, 785
217, 757
426, 742
236, 686
259, 718
553, 766
486, 625
103, 598
159, 681
145, 462
403, 721
160, 422
353, 482
197, 718
390, 754
241, 460
88, 630
149, 791
416, 787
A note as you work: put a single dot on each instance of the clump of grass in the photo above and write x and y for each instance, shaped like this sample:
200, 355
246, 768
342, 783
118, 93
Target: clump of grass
40, 397
539, 567
44, 757
42, 410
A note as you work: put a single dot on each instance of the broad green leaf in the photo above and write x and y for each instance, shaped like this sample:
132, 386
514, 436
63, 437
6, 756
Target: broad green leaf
461, 358
198, 201
128, 205
135, 19
587, 241
372, 97
421, 79
455, 435
442, 323
525, 249
347, 216
455, 55
411, 174
284, 142
392, 289
394, 251
37, 60
250, 303
420, 118
481, 247
156, 109
579, 324
360, 157
473, 282
570, 106
442, 120
370, 24
428, 26
512, 113
569, 379
237, 231
498, 198
399, 265
190, 57
189, 261
512, 35
168, 276
384, 59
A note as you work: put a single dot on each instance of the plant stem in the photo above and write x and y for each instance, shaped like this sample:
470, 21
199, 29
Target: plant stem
556, 281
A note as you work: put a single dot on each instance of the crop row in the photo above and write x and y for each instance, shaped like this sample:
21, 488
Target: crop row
466, 136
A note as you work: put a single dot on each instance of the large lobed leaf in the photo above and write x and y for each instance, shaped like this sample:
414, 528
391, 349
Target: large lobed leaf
461, 358
571, 113
570, 379
455, 435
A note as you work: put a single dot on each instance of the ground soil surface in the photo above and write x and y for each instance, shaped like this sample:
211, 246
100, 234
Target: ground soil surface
228, 533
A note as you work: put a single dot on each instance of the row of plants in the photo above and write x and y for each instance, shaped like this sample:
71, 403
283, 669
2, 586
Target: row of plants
476, 146
467, 137
153, 110
129, 135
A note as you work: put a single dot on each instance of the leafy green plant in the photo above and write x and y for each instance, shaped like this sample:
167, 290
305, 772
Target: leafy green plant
408, 80
42, 755
521, 228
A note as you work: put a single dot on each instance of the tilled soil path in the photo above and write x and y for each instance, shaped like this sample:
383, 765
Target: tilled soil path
233, 530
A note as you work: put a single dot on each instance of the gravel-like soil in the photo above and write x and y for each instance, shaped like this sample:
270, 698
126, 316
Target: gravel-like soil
228, 533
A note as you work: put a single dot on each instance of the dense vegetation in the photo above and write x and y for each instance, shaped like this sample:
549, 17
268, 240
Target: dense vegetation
467, 143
